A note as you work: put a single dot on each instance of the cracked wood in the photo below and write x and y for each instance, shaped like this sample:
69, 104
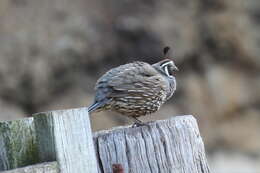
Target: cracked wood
167, 146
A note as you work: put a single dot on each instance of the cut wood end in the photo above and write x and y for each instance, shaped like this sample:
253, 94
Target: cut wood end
178, 118
60, 112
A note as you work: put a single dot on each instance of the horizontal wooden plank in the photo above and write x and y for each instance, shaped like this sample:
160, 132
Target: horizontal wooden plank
47, 167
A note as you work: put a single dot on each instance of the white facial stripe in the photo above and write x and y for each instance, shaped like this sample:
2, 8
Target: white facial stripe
167, 63
166, 70
165, 67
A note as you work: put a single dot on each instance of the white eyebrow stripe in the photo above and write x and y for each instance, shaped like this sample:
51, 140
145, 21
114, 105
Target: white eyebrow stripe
167, 63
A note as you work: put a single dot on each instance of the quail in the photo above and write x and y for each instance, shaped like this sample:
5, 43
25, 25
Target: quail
136, 89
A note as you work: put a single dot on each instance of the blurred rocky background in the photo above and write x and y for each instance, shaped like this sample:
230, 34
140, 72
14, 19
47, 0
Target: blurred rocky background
53, 51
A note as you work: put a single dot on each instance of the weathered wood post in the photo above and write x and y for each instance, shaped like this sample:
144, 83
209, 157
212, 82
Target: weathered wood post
66, 136
17, 144
61, 141
47, 167
168, 146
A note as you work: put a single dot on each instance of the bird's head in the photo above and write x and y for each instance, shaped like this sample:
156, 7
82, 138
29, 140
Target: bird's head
166, 66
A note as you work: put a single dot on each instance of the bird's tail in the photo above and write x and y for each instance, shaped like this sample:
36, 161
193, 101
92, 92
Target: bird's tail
93, 107
97, 105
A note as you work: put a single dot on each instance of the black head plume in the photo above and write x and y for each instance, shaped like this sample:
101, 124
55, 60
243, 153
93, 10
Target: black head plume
166, 50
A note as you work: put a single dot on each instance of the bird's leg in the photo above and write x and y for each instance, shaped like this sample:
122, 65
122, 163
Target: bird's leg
137, 122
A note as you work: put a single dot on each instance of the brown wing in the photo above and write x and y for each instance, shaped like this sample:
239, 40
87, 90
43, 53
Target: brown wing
130, 80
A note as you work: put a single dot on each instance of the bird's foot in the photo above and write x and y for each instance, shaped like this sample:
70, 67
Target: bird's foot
139, 124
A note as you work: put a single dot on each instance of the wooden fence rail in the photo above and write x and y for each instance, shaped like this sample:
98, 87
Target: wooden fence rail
62, 141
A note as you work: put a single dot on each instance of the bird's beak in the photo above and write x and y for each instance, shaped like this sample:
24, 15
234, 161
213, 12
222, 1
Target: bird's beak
176, 68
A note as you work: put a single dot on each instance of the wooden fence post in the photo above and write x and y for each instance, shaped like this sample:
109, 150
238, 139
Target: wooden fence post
168, 146
17, 144
66, 136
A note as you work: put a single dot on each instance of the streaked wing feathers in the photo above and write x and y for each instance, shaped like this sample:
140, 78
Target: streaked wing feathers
130, 79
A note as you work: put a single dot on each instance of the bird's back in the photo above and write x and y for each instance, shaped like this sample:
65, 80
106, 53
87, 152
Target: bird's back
133, 89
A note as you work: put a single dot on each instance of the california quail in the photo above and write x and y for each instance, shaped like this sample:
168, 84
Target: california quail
135, 89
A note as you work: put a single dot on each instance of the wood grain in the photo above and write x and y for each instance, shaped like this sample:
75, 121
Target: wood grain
47, 167
17, 144
167, 146
66, 136
64, 139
